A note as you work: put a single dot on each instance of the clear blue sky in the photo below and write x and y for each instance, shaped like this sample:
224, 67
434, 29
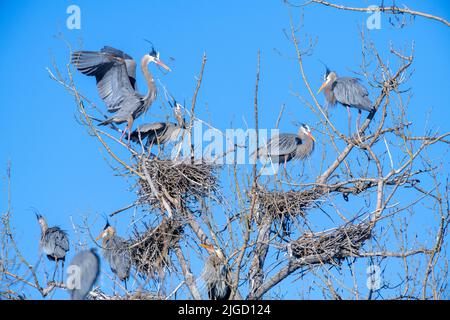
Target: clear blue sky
60, 170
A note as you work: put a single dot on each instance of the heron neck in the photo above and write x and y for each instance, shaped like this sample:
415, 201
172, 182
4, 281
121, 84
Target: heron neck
329, 95
307, 146
151, 93
44, 226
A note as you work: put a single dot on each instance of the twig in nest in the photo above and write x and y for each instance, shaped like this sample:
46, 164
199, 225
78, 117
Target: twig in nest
150, 249
283, 205
332, 246
182, 184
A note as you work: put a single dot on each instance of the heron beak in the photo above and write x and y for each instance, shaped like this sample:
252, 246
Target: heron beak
102, 235
162, 64
322, 86
208, 247
311, 136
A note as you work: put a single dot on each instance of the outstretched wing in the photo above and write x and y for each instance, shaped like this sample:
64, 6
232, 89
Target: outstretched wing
349, 91
113, 83
129, 62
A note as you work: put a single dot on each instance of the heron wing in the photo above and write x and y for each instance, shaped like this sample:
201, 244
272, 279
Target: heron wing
56, 242
350, 92
283, 144
130, 63
118, 256
113, 81
148, 130
280, 148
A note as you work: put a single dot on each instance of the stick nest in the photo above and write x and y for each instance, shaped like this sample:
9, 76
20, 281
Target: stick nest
150, 249
281, 204
182, 184
331, 246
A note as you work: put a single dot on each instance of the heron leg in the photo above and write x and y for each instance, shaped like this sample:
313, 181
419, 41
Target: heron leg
62, 271
123, 134
349, 122
130, 125
56, 268
357, 125
358, 120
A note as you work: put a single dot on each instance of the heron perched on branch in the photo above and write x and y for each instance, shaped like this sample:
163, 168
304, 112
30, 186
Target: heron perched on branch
116, 252
84, 270
159, 133
54, 242
285, 147
216, 274
115, 73
347, 91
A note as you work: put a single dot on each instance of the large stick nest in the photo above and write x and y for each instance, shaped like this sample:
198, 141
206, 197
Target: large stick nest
150, 249
182, 184
332, 246
281, 204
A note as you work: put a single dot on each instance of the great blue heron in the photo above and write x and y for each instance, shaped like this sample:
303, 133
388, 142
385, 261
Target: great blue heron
159, 133
115, 73
116, 252
54, 242
84, 270
285, 147
216, 274
348, 92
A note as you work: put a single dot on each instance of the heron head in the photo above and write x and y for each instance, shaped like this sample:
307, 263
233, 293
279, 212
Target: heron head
177, 111
329, 77
108, 230
212, 250
304, 129
153, 56
41, 220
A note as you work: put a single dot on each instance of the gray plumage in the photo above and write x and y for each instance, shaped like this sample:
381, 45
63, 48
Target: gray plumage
216, 275
115, 73
116, 251
54, 243
347, 91
86, 264
159, 133
156, 133
287, 146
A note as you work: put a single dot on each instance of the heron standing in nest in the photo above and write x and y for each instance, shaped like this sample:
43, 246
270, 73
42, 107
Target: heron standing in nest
285, 147
54, 242
160, 133
116, 252
115, 73
216, 274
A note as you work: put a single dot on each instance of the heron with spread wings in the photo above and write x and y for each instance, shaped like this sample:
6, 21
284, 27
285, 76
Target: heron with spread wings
115, 73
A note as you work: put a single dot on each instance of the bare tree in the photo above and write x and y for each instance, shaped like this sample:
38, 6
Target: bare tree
360, 208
